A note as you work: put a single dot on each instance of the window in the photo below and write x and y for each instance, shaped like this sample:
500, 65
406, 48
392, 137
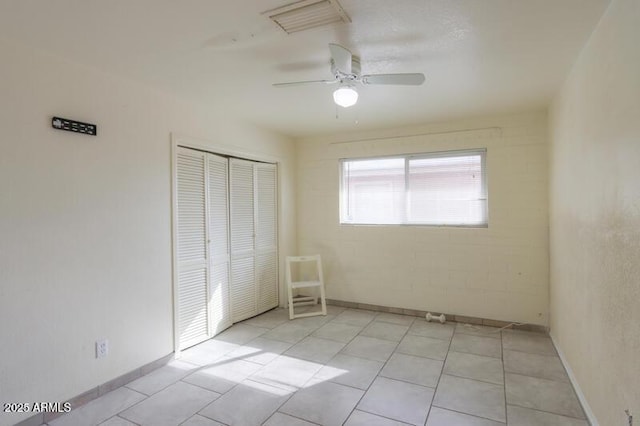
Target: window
444, 188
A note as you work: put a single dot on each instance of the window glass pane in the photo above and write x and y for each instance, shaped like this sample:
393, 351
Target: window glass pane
373, 191
446, 190
433, 189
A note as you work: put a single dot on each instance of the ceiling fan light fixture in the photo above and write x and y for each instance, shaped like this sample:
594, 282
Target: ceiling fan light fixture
345, 96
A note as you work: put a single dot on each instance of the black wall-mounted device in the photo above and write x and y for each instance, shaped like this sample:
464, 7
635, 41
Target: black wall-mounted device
74, 126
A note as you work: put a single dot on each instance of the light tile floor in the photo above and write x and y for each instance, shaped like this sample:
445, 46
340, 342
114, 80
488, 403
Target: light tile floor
352, 367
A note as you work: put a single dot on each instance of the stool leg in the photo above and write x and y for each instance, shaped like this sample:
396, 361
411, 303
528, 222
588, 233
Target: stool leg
289, 290
322, 300
290, 303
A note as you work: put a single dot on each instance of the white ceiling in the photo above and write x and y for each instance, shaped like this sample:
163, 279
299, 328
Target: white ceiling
479, 56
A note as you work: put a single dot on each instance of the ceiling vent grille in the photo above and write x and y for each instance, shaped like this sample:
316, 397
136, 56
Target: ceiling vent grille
306, 14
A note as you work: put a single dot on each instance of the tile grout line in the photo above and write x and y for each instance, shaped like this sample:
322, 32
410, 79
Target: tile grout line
444, 362
471, 378
380, 415
290, 415
374, 379
469, 415
504, 379
551, 412
355, 407
120, 417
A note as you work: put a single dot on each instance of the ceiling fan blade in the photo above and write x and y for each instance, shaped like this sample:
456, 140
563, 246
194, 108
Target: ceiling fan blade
302, 83
415, 79
341, 58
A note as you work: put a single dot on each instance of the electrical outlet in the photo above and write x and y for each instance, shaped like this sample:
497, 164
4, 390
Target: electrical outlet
102, 348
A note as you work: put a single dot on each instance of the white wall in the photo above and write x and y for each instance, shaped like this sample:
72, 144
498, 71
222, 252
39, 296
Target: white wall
85, 222
595, 216
499, 272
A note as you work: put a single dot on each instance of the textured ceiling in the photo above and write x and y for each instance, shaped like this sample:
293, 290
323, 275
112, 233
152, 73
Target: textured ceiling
479, 56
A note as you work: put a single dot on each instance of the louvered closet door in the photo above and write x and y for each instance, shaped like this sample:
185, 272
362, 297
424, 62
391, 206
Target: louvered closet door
219, 260
266, 236
243, 283
192, 274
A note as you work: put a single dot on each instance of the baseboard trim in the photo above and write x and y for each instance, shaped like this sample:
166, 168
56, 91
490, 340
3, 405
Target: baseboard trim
591, 418
450, 317
98, 391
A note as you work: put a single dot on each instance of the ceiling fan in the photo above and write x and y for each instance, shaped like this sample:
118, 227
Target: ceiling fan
345, 68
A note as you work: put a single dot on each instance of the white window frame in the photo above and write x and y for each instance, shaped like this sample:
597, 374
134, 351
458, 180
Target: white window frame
344, 196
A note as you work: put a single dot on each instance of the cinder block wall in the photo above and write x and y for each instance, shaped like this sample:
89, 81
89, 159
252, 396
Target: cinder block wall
500, 272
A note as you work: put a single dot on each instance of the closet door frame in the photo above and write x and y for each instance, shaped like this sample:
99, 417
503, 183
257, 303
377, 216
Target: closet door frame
179, 140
